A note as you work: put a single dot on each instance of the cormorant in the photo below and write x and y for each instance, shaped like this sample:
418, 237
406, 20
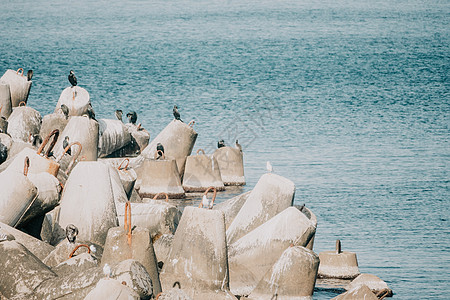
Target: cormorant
72, 79
71, 233
119, 113
269, 167
65, 144
176, 114
29, 75
238, 146
65, 110
159, 150
220, 144
132, 117
90, 112
3, 153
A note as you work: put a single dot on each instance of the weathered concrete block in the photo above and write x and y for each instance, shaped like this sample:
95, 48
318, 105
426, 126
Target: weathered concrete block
76, 264
231, 165
312, 217
19, 86
374, 283
201, 172
82, 130
162, 246
62, 251
88, 201
5, 100
113, 135
23, 122
51, 122
139, 138
338, 264
293, 276
112, 289
157, 216
231, 207
76, 286
76, 99
254, 254
178, 140
357, 293
198, 259
159, 176
21, 271
271, 195
39, 248
139, 247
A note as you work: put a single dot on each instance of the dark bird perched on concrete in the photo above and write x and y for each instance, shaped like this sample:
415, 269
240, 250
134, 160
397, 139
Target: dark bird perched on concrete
3, 153
220, 144
65, 110
159, 150
90, 112
119, 114
29, 75
65, 144
71, 233
36, 141
132, 117
72, 79
176, 114
238, 146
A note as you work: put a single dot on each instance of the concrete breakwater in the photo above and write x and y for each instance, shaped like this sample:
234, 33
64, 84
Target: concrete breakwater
77, 221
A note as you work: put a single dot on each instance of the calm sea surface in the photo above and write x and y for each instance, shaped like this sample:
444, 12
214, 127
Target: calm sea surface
348, 99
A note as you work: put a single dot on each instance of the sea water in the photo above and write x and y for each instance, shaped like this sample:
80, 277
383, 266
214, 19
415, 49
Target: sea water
349, 99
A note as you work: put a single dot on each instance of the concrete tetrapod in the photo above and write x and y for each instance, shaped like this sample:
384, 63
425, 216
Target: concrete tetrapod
39, 248
159, 176
76, 99
254, 254
82, 130
122, 244
77, 285
231, 207
374, 283
76, 264
178, 139
198, 259
19, 85
139, 137
271, 195
112, 289
22, 272
357, 293
338, 264
201, 172
23, 122
88, 201
113, 135
312, 217
231, 165
127, 175
157, 216
51, 122
5, 100
17, 195
293, 276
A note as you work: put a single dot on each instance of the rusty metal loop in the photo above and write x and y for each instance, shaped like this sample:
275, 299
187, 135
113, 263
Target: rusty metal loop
19, 69
74, 158
191, 123
213, 199
22, 102
157, 296
200, 149
126, 166
55, 134
26, 165
76, 248
162, 193
127, 220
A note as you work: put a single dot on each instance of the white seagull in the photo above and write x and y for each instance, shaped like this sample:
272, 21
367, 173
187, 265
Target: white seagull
269, 167
107, 271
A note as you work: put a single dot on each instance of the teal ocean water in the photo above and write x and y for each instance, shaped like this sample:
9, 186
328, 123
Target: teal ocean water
348, 99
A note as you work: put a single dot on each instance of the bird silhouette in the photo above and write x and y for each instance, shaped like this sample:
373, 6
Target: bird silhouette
29, 75
65, 110
159, 150
220, 144
90, 112
72, 79
107, 271
71, 233
238, 146
119, 114
176, 114
269, 167
132, 117
65, 144
3, 153
205, 202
